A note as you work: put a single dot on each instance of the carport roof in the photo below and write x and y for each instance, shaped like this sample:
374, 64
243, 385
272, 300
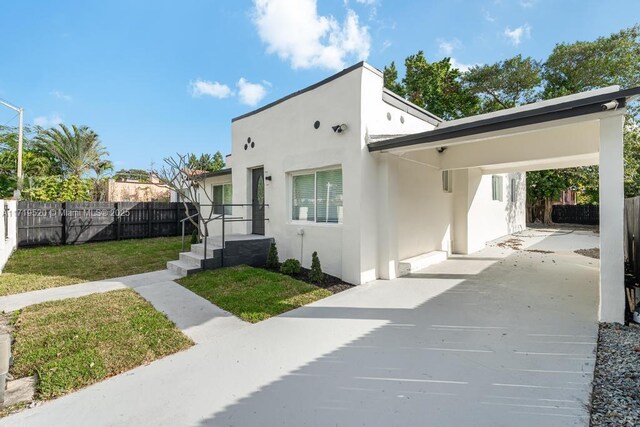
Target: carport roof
554, 109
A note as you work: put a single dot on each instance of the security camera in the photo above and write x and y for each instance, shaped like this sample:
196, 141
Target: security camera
339, 128
611, 105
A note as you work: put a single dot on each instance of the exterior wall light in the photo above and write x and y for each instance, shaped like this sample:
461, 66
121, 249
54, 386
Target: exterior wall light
340, 128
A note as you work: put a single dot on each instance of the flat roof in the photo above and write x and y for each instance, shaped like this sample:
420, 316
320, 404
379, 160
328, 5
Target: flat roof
220, 172
538, 112
387, 96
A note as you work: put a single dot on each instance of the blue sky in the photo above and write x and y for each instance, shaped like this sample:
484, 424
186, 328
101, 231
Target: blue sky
157, 77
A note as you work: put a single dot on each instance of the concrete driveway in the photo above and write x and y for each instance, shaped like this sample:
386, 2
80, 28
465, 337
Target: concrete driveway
502, 337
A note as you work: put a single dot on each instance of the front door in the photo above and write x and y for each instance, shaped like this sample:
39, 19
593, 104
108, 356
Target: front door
257, 201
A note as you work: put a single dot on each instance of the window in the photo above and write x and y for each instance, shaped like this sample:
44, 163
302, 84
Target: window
317, 196
447, 181
496, 187
222, 194
514, 190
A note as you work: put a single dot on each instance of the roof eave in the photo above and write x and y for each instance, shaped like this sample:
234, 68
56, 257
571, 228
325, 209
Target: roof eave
521, 118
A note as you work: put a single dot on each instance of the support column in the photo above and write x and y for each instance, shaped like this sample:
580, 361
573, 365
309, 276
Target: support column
612, 299
387, 233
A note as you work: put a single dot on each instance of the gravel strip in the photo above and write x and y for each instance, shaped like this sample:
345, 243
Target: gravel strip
616, 386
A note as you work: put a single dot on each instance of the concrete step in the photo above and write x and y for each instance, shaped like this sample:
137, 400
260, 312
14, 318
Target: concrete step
413, 264
198, 249
182, 268
192, 258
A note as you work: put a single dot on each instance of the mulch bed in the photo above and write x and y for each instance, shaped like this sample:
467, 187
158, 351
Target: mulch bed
331, 283
616, 385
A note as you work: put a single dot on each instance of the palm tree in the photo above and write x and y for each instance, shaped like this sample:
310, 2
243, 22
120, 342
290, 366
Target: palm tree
78, 150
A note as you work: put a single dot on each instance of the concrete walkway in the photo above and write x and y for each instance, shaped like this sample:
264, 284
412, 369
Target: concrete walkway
500, 338
196, 317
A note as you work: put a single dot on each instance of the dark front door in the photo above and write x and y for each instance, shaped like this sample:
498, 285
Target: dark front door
257, 200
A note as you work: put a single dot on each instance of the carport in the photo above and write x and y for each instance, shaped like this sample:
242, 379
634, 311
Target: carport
577, 130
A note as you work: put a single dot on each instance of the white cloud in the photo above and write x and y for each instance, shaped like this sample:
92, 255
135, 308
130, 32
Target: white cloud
461, 66
47, 121
60, 95
447, 47
517, 34
367, 2
250, 93
214, 89
488, 17
527, 3
295, 32
385, 45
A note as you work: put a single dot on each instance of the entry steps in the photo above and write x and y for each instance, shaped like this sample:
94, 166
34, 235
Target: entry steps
413, 264
249, 249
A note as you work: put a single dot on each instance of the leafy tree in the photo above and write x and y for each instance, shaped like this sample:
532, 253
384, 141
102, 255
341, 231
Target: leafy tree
505, 84
58, 189
390, 77
140, 175
435, 86
206, 162
35, 161
586, 65
77, 150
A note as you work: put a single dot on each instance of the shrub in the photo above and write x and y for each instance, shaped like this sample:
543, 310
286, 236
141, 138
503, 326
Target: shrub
290, 267
272, 259
194, 237
316, 275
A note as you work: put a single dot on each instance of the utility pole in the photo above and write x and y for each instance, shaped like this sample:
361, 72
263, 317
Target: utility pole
20, 112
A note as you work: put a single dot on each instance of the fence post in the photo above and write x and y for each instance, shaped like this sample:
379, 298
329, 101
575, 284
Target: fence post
117, 216
178, 220
64, 223
150, 219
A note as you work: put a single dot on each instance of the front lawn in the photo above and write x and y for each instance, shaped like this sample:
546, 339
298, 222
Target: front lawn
252, 294
44, 267
76, 342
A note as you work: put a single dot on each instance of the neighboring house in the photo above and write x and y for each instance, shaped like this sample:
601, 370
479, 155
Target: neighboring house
568, 197
378, 186
132, 190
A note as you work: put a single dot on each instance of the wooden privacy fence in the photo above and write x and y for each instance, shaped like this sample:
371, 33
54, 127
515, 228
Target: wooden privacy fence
54, 223
576, 214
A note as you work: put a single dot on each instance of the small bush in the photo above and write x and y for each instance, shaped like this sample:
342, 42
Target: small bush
273, 262
194, 237
290, 267
315, 274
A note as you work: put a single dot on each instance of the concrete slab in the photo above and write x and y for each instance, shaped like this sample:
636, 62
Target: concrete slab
15, 302
196, 317
507, 341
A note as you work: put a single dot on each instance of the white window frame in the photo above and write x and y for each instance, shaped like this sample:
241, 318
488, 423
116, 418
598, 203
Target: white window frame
447, 181
228, 209
514, 190
497, 183
313, 172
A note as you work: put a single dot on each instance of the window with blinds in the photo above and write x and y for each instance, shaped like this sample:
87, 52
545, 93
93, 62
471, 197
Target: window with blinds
317, 197
222, 194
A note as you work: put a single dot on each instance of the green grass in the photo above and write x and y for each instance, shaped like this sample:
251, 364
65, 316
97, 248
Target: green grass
252, 294
51, 266
76, 342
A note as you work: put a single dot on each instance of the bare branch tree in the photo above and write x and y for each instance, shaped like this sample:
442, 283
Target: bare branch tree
187, 183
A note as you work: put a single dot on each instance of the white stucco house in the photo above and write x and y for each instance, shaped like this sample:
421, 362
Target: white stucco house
378, 186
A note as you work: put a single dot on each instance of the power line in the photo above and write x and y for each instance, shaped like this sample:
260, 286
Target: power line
14, 116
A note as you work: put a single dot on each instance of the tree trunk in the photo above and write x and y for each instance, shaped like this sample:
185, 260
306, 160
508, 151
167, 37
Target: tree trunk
548, 209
